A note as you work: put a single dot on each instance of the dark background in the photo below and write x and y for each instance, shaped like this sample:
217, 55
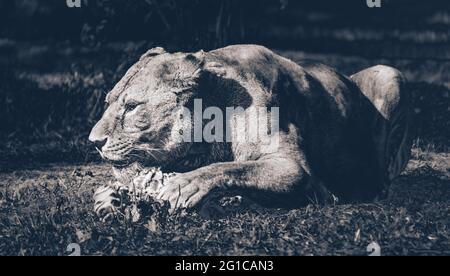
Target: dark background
348, 26
57, 63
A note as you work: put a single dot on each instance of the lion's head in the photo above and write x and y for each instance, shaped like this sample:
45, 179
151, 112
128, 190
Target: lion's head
141, 117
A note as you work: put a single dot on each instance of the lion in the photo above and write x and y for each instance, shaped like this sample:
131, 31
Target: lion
340, 139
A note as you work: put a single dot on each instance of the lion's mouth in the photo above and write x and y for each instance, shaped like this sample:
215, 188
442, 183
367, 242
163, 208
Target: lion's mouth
116, 161
129, 161
120, 164
149, 158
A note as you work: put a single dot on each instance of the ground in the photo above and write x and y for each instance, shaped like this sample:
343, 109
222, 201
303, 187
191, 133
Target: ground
48, 208
48, 172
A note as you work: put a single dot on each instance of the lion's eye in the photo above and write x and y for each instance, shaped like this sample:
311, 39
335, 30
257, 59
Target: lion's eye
131, 106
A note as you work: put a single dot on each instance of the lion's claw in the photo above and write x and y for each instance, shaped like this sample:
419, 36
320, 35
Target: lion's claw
184, 191
106, 202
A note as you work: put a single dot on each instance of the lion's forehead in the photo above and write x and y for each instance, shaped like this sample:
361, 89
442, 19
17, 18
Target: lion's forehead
153, 75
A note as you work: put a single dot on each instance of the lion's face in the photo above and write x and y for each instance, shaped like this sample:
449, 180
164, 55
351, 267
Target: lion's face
144, 109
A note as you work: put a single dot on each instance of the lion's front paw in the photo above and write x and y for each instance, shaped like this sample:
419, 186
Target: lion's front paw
106, 202
185, 190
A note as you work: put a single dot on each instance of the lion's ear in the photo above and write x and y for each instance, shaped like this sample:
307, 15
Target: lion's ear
215, 68
197, 61
153, 52
188, 73
198, 56
211, 67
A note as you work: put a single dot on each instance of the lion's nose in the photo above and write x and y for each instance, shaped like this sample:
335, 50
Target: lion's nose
100, 143
98, 140
98, 135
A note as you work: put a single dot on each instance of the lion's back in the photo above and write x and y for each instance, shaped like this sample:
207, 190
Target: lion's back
243, 52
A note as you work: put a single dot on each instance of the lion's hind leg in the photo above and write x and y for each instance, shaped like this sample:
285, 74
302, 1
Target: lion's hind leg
384, 87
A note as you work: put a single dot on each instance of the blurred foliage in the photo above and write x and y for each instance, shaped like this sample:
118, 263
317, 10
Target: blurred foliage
214, 23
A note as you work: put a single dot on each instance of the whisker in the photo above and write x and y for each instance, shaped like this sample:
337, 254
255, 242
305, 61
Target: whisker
149, 150
100, 152
137, 156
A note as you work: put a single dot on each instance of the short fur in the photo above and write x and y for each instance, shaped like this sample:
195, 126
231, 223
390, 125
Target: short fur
340, 138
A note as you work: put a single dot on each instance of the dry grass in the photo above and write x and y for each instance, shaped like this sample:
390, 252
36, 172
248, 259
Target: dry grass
44, 210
